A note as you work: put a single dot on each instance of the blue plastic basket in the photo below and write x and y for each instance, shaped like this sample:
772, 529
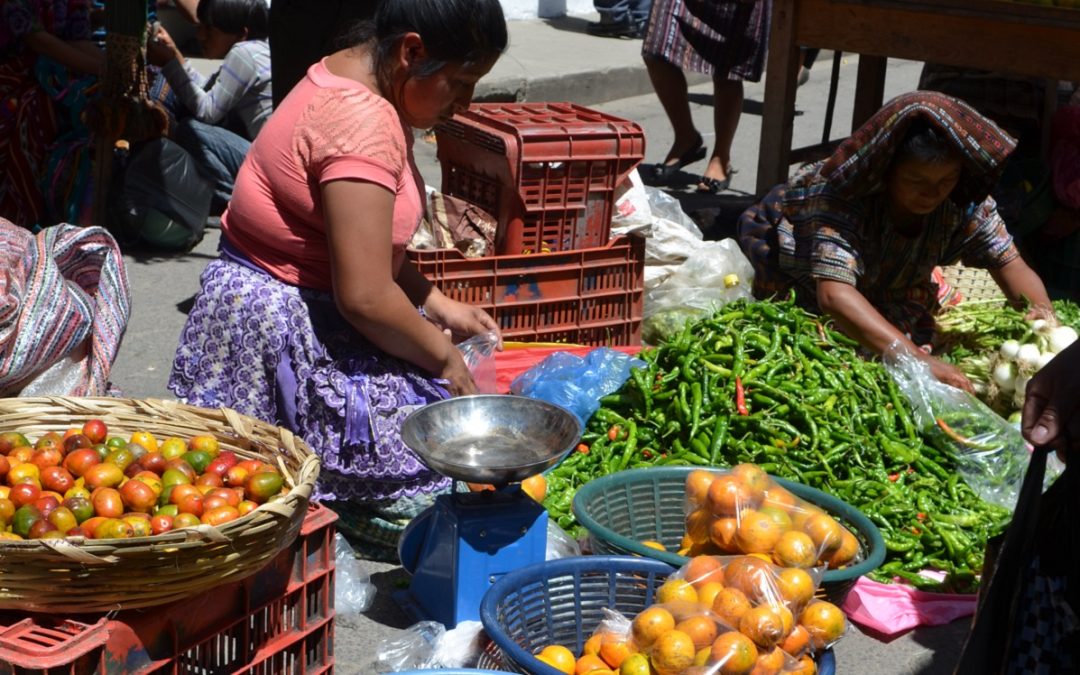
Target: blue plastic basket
453, 671
562, 602
622, 509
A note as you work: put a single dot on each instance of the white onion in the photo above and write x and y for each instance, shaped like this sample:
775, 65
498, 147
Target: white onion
1021, 387
1060, 338
1028, 355
1040, 325
1044, 359
1004, 376
1008, 349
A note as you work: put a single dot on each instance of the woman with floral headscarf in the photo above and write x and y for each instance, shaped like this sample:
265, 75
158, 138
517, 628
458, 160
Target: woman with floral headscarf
858, 235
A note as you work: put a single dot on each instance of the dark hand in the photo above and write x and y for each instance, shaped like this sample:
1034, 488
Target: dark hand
160, 49
1051, 413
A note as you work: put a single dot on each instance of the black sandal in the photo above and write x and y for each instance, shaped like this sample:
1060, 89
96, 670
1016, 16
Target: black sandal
663, 173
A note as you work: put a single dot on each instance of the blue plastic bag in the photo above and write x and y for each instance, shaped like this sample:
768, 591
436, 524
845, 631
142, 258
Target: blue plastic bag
576, 383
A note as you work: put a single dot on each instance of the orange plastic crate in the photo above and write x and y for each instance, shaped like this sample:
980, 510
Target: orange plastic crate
546, 171
279, 621
591, 296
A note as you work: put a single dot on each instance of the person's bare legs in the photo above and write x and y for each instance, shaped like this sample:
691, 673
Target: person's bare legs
727, 108
669, 82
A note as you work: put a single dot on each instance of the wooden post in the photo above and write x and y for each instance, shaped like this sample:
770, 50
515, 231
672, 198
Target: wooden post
869, 89
779, 109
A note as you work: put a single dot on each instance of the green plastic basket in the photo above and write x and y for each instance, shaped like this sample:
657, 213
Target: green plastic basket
623, 509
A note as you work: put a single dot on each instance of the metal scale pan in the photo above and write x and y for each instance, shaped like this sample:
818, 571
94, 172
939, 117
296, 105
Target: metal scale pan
457, 548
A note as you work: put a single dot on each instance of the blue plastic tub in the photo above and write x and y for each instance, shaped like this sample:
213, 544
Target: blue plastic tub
562, 602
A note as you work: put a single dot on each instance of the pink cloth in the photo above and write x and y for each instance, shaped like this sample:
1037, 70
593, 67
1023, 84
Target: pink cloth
894, 608
328, 128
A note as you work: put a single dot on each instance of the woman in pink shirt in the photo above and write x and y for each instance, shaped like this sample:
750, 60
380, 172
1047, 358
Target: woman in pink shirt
313, 318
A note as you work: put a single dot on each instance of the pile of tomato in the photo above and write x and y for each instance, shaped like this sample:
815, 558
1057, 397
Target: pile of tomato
88, 483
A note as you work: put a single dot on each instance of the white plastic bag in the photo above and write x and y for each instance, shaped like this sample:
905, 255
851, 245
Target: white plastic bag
413, 649
632, 210
715, 274
560, 544
479, 354
353, 592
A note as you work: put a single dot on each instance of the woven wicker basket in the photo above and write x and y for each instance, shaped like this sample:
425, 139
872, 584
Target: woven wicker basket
73, 575
974, 284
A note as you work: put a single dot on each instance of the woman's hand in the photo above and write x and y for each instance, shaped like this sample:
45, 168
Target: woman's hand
463, 321
1052, 403
459, 381
949, 374
160, 49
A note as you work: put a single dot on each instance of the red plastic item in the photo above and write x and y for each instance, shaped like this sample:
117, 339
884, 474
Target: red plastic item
546, 171
592, 296
279, 620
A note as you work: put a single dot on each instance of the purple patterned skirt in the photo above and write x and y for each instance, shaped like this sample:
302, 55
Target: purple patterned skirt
285, 355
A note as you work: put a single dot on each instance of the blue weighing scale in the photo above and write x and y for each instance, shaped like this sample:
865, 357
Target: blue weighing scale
457, 548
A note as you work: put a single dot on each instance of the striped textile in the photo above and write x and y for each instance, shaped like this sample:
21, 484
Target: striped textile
725, 39
60, 288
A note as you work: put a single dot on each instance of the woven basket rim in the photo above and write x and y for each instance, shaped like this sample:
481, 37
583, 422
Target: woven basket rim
875, 554
203, 556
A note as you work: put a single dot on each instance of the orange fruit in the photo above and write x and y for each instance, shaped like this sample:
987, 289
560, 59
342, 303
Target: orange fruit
703, 570
848, 549
806, 666
615, 648
778, 515
824, 621
825, 532
733, 654
558, 657
673, 652
797, 641
535, 487
728, 495
592, 645
730, 605
755, 480
698, 522
701, 629
795, 549
706, 595
722, 533
676, 590
753, 576
763, 625
697, 486
589, 663
795, 586
636, 664
780, 498
757, 532
650, 624
769, 663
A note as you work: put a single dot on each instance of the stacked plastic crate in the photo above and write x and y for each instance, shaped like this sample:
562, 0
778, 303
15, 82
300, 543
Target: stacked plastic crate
548, 173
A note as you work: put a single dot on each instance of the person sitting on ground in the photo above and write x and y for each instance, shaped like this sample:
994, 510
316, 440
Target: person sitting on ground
226, 111
857, 235
313, 317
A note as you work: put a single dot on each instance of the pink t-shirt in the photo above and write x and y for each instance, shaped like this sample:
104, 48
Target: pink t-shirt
328, 128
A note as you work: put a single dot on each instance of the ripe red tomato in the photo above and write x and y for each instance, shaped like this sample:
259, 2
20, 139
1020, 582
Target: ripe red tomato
232, 497
103, 475
107, 502
57, 479
5, 465
79, 531
183, 467
95, 430
75, 441
49, 439
236, 476
189, 503
154, 461
138, 496
46, 504
151, 479
220, 515
23, 494
80, 461
39, 528
10, 440
91, 524
47, 457
161, 523
211, 479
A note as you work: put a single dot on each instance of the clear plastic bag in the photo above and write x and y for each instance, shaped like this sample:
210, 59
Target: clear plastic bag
664, 206
576, 383
353, 590
413, 649
716, 273
990, 453
559, 543
743, 510
479, 354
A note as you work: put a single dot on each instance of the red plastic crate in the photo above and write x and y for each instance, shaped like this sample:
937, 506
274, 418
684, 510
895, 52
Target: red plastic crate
546, 171
279, 621
591, 296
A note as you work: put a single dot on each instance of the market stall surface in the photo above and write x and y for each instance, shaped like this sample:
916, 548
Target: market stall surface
163, 286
